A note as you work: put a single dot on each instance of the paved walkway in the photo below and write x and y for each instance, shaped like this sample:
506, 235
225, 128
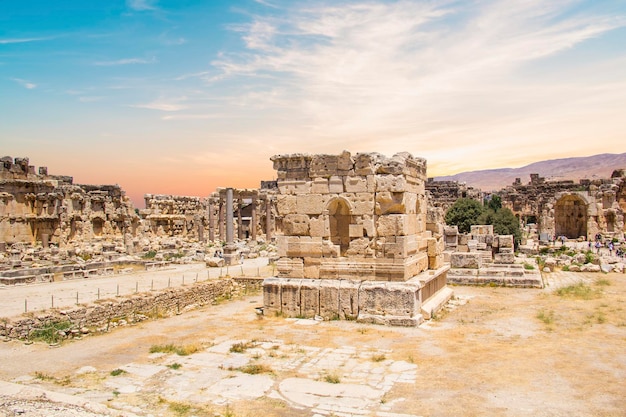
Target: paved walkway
17, 299
557, 279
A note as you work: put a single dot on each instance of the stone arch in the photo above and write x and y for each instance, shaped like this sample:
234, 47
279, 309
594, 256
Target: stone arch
570, 216
339, 217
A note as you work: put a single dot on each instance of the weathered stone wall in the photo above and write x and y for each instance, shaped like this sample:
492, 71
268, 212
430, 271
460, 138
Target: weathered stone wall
361, 216
51, 209
101, 316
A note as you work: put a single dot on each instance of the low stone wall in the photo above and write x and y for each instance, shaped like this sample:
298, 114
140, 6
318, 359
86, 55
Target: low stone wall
105, 314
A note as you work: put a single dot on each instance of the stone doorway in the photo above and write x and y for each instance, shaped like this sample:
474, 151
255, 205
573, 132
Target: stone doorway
570, 217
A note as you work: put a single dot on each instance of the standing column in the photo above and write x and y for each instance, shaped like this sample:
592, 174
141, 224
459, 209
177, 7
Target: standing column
268, 218
239, 220
221, 220
229, 216
253, 220
231, 255
211, 222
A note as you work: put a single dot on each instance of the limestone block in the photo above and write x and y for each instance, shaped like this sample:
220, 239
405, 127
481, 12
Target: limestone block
294, 186
389, 203
323, 165
481, 229
472, 245
310, 204
364, 164
481, 246
290, 296
312, 267
391, 183
310, 247
409, 244
309, 297
436, 262
286, 204
471, 260
345, 161
318, 227
506, 250
319, 186
371, 183
272, 293
410, 202
504, 258
355, 230
362, 203
368, 226
290, 268
433, 248
335, 185
388, 299
392, 225
463, 239
505, 241
296, 225
359, 248
355, 184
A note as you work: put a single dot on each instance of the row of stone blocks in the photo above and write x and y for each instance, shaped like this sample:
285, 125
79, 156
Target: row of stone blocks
379, 302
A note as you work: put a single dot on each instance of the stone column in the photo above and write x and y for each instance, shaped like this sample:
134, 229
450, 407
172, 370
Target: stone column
229, 216
239, 221
253, 220
268, 218
221, 219
231, 255
211, 222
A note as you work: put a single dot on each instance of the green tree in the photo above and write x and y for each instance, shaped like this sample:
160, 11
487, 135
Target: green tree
494, 203
464, 213
505, 223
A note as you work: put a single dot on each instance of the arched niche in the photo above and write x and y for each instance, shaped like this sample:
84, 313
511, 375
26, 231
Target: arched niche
570, 217
339, 218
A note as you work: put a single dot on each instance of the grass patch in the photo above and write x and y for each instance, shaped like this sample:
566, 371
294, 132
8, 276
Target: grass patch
603, 282
579, 291
241, 347
52, 332
179, 408
117, 372
255, 369
149, 255
547, 317
528, 267
175, 366
378, 357
332, 378
171, 348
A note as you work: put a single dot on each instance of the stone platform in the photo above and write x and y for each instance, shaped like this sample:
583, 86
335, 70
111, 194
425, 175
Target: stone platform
506, 275
379, 302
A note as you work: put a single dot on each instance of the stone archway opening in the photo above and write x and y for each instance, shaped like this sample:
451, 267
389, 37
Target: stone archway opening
570, 217
340, 218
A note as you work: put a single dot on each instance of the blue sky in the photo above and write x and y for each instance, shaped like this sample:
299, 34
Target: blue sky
184, 96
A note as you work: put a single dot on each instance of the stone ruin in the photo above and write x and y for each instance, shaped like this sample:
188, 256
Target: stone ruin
566, 208
481, 257
355, 243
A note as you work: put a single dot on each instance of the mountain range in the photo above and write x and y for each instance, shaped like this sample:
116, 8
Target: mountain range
596, 166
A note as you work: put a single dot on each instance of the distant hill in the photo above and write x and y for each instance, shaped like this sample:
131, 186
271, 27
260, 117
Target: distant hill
596, 166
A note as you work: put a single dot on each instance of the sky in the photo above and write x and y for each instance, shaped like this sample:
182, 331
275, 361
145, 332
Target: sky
183, 96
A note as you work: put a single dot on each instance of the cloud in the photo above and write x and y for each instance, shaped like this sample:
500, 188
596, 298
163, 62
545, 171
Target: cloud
171, 105
24, 83
22, 40
407, 71
126, 61
141, 5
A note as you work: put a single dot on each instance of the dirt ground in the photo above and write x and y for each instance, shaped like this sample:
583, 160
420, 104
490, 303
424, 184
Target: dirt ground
494, 352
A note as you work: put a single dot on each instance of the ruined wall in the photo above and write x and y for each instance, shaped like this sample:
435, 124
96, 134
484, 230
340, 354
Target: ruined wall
51, 209
565, 208
101, 316
170, 215
357, 217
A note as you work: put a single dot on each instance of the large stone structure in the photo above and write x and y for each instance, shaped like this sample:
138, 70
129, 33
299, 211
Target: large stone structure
37, 207
355, 242
566, 208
